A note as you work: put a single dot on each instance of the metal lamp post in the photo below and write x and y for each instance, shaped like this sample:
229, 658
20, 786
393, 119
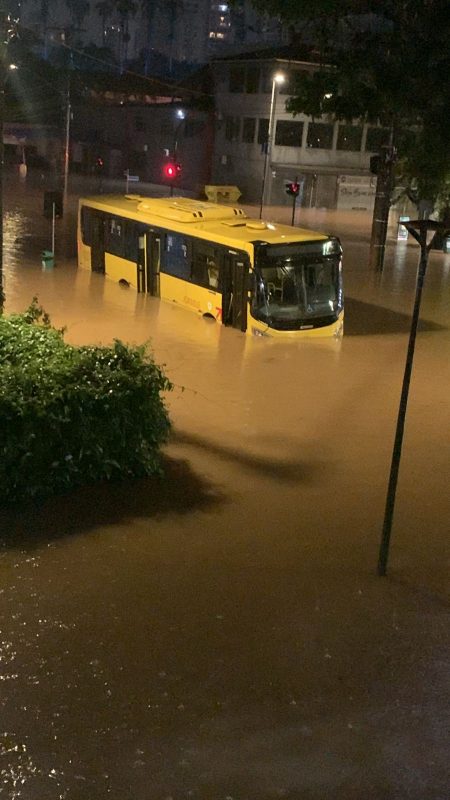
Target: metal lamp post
181, 116
278, 79
419, 229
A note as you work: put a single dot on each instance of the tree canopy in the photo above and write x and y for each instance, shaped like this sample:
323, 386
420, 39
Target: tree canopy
380, 59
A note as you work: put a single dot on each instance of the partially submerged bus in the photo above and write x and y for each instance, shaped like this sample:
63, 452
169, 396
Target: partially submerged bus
260, 277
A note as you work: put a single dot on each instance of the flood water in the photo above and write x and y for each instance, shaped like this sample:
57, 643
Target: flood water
222, 634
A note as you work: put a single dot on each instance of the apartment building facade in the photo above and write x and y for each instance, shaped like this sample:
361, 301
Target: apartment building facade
180, 31
329, 159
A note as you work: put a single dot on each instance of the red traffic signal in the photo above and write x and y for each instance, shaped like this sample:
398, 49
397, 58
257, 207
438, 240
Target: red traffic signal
172, 170
293, 189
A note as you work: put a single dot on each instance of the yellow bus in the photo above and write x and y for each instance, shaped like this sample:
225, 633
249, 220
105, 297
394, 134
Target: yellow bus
260, 277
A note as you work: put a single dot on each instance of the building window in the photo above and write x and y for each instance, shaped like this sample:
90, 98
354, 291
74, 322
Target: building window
139, 123
289, 133
376, 138
237, 79
232, 129
244, 79
252, 80
287, 86
267, 78
248, 130
349, 138
320, 135
263, 131
193, 127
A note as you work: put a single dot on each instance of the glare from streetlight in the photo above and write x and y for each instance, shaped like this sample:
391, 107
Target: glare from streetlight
279, 78
13, 66
180, 113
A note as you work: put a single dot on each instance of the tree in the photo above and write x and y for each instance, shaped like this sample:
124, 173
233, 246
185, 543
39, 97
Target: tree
387, 61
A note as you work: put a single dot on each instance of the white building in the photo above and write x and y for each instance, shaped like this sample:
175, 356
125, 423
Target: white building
329, 159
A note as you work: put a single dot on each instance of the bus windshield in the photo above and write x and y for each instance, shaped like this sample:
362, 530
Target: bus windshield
298, 285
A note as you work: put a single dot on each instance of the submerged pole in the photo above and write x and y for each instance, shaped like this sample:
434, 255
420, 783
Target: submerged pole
419, 230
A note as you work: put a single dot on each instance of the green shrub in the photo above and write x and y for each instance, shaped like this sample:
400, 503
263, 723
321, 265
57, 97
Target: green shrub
73, 415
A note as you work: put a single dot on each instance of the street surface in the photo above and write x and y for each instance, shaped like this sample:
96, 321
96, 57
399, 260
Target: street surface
222, 634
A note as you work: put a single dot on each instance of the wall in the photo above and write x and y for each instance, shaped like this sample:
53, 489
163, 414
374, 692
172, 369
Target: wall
135, 138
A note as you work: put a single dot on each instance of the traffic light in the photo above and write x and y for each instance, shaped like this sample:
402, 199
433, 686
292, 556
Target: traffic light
172, 170
293, 189
99, 166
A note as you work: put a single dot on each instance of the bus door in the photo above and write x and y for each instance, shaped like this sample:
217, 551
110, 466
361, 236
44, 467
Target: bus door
98, 243
234, 290
148, 264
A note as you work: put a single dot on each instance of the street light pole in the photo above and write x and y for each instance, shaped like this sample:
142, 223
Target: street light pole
181, 116
277, 79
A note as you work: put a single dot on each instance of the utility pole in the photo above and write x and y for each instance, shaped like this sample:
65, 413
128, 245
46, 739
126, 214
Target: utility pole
66, 145
383, 165
67, 137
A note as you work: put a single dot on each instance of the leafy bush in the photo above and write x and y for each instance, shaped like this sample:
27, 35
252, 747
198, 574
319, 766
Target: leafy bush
73, 415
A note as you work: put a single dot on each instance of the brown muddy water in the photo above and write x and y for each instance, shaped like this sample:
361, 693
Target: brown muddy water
222, 634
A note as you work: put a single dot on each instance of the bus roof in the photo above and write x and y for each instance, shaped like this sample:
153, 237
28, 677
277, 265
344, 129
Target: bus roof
225, 224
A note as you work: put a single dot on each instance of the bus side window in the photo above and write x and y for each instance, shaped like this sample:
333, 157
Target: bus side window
115, 236
131, 241
175, 254
86, 219
205, 266
213, 273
